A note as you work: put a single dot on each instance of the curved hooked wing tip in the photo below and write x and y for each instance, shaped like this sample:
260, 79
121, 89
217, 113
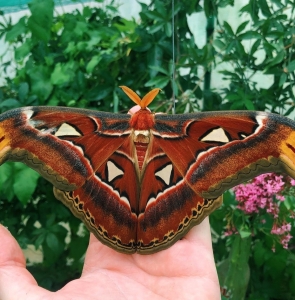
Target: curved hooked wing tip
145, 101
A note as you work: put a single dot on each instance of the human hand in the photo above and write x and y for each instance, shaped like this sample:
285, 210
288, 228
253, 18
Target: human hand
184, 271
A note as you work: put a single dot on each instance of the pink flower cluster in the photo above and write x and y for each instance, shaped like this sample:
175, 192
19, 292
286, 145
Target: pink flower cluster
265, 192
260, 193
283, 232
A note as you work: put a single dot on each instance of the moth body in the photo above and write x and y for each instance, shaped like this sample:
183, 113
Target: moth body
140, 182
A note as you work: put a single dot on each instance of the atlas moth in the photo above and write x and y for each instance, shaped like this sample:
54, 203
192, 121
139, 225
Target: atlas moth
140, 182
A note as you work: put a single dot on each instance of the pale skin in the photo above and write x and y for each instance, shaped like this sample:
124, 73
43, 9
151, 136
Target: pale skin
184, 271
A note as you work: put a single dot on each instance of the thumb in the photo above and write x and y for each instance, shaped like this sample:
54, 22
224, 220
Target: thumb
10, 252
15, 280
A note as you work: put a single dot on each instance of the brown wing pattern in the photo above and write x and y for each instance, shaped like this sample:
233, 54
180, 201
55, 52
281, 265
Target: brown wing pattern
108, 201
208, 154
168, 206
223, 149
190, 160
63, 145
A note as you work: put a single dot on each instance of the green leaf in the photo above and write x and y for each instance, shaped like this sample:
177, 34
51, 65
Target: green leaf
18, 29
230, 46
155, 57
255, 46
289, 111
228, 28
59, 75
50, 221
143, 46
25, 182
17, 179
23, 51
23, 91
278, 58
71, 48
6, 172
264, 8
245, 233
219, 44
240, 48
9, 103
63, 73
158, 81
289, 202
209, 8
234, 272
259, 254
52, 242
291, 66
99, 92
40, 81
41, 19
39, 240
176, 91
278, 3
78, 249
154, 15
80, 28
249, 35
249, 104
155, 28
93, 63
278, 263
241, 27
283, 79
224, 3
168, 29
160, 69
233, 97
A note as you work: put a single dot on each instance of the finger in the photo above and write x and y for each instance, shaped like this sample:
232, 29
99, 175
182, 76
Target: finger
99, 256
200, 236
93, 250
200, 233
11, 253
15, 280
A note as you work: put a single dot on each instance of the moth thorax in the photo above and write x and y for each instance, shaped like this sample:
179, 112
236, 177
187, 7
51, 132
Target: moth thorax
141, 139
142, 120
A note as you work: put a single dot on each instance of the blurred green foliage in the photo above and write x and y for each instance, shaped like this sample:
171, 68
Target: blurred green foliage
81, 58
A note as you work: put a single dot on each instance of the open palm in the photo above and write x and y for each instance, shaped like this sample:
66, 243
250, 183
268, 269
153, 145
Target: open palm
184, 271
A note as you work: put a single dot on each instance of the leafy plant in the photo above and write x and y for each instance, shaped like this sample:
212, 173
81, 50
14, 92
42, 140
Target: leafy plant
81, 58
